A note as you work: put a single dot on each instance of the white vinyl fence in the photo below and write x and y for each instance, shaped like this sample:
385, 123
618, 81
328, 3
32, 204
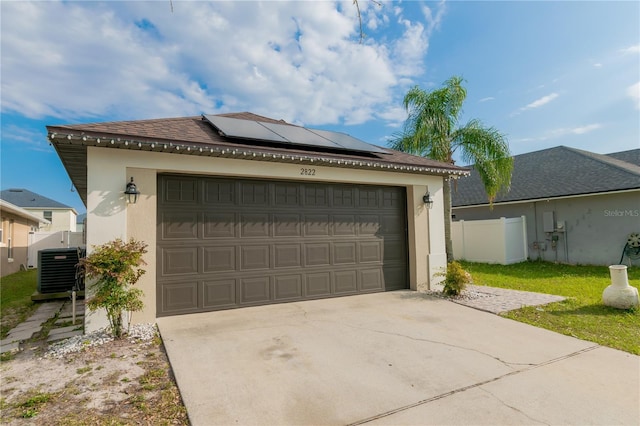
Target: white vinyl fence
47, 240
501, 240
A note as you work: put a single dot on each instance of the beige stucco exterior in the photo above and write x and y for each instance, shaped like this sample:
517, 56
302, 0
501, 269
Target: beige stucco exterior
16, 224
61, 219
109, 217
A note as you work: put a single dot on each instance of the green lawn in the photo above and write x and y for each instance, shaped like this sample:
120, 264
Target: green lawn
15, 298
582, 315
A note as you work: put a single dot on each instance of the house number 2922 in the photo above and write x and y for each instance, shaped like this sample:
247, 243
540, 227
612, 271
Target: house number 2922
307, 172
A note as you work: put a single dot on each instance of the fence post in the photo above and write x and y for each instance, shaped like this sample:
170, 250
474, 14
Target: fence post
525, 243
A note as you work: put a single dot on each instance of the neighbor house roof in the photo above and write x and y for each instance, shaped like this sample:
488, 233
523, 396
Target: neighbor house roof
6, 206
26, 199
197, 136
552, 173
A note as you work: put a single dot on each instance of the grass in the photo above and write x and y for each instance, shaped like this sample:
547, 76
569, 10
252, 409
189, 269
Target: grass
15, 299
582, 314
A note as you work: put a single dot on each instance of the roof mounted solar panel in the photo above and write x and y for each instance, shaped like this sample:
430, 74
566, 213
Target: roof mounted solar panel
348, 142
245, 129
289, 134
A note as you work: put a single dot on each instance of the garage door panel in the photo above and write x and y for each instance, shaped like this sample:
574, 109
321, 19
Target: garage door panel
219, 259
287, 287
180, 225
225, 243
370, 251
368, 225
254, 225
219, 193
343, 197
344, 253
316, 225
344, 224
254, 257
317, 254
220, 293
371, 279
395, 278
287, 225
345, 282
179, 261
219, 225
254, 193
318, 284
255, 290
180, 190
182, 296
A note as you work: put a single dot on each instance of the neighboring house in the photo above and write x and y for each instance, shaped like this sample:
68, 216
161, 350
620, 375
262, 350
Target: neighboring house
16, 225
580, 207
241, 210
80, 222
58, 216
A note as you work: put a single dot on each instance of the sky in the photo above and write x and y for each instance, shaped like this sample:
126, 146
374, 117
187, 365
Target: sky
543, 73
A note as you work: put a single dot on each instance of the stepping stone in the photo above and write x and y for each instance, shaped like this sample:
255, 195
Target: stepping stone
63, 336
79, 320
62, 330
8, 347
21, 335
29, 325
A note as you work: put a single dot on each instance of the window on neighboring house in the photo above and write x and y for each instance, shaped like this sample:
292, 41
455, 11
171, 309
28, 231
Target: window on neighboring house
10, 240
1, 228
48, 215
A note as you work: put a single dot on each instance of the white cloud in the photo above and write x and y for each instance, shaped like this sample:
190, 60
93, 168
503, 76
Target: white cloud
633, 92
542, 101
563, 131
488, 98
631, 49
299, 61
597, 65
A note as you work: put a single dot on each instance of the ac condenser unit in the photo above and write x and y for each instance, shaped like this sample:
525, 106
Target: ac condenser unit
57, 269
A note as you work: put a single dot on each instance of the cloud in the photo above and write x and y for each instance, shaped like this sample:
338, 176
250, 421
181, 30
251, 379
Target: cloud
597, 65
563, 131
488, 98
299, 61
536, 104
631, 49
633, 92
540, 102
27, 138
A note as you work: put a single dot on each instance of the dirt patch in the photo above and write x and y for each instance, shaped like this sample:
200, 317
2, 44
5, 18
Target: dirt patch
118, 382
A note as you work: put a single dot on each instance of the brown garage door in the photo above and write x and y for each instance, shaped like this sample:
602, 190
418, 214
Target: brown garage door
226, 243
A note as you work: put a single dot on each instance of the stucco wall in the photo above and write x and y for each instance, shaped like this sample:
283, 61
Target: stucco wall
109, 217
61, 219
20, 242
596, 226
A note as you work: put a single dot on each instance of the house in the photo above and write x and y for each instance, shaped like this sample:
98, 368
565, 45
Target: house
58, 216
15, 227
580, 207
242, 210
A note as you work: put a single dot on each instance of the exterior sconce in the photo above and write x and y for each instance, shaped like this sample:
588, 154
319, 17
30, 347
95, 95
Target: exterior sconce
426, 198
131, 192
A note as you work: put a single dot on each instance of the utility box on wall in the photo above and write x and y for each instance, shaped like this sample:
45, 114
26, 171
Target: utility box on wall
548, 222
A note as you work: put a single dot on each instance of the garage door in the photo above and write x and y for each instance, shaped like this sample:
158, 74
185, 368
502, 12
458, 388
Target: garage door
226, 243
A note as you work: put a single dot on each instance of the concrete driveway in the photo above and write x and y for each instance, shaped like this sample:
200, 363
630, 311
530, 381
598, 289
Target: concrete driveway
392, 358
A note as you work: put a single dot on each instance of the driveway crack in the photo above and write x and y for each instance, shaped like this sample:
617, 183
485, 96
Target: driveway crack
472, 386
514, 408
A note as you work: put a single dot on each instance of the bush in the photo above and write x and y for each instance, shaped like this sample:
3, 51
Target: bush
455, 279
116, 267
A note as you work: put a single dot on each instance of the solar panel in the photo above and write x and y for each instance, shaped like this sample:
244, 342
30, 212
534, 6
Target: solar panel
246, 129
300, 135
282, 133
348, 142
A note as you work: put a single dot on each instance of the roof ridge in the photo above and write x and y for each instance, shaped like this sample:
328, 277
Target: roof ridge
610, 161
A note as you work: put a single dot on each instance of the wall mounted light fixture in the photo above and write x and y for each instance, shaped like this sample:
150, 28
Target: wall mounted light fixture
426, 198
131, 192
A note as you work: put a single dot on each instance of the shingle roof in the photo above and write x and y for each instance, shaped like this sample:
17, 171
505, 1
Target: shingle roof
632, 156
554, 172
195, 136
26, 199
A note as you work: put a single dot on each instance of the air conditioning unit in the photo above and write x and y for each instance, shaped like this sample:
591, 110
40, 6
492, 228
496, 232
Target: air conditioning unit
57, 269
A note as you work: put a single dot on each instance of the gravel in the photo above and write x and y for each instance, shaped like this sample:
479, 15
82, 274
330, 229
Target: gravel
467, 294
138, 333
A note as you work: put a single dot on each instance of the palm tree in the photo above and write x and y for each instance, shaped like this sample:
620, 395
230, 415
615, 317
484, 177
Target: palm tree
432, 131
